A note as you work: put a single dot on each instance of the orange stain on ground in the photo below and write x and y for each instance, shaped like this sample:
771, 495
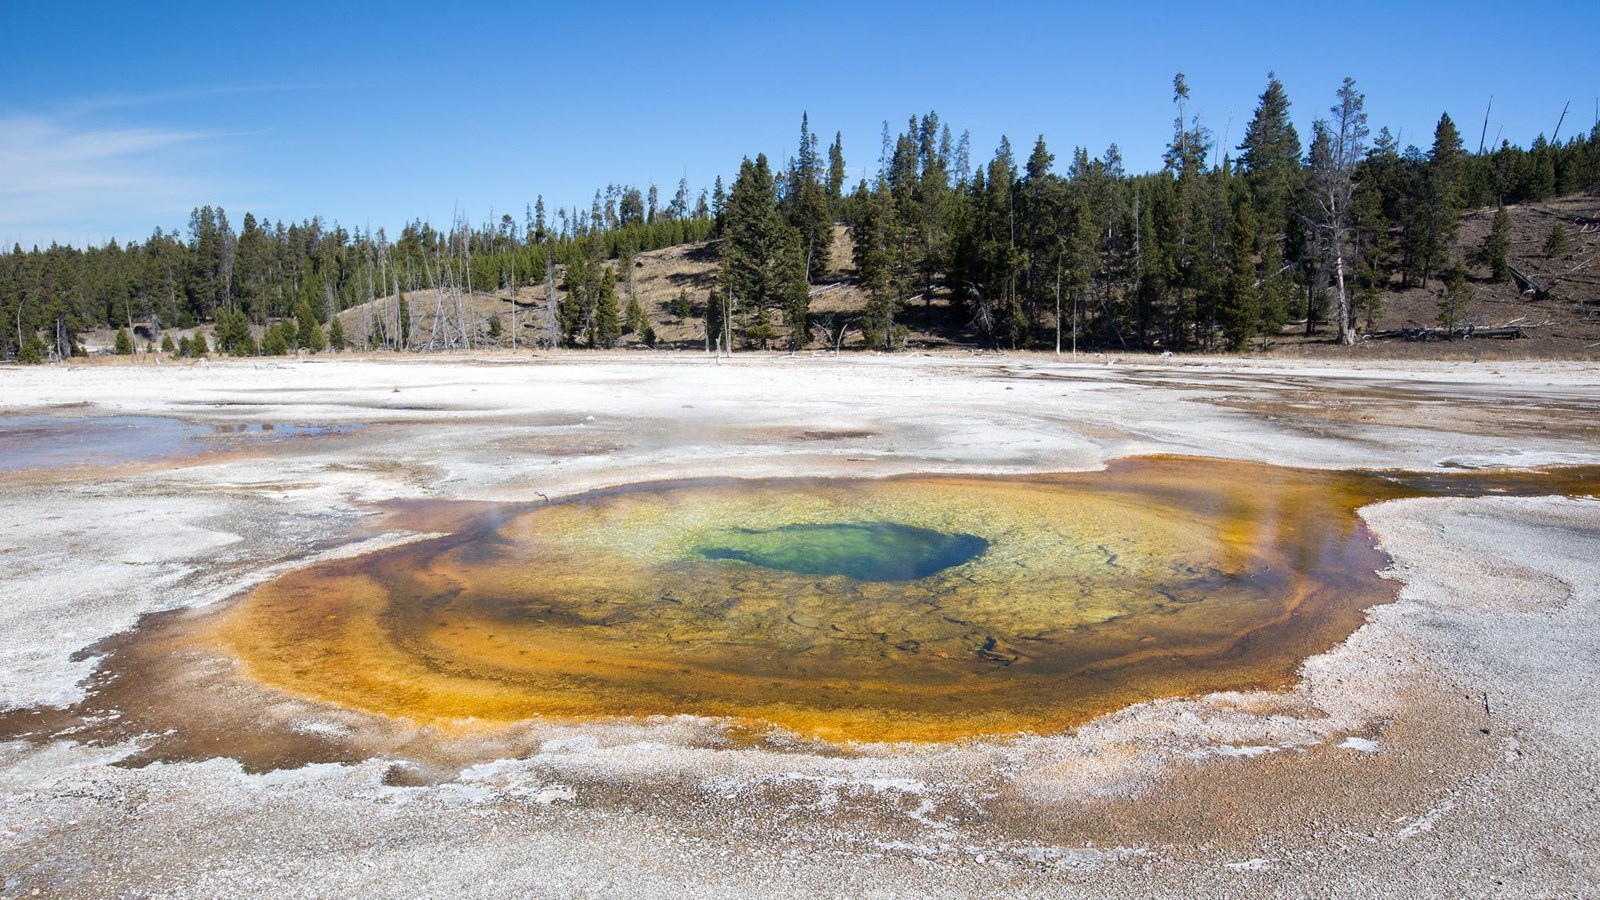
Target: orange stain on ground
1157, 577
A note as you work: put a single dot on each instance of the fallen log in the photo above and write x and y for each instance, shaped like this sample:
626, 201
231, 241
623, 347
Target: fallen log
1464, 332
1527, 285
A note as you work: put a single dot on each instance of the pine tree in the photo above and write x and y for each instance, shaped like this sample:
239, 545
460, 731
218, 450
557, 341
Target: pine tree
1241, 309
762, 262
1270, 158
634, 319
1276, 294
276, 342
336, 338
1453, 302
308, 332
876, 235
232, 334
1497, 246
682, 307
808, 206
123, 345
404, 316
1555, 243
605, 329
1440, 206
836, 171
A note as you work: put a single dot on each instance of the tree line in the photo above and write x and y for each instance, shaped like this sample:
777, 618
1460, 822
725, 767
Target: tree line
1219, 245
267, 273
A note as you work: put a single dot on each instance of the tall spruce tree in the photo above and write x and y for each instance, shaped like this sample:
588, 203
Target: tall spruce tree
836, 171
1439, 206
1241, 312
1270, 158
762, 261
806, 205
1497, 247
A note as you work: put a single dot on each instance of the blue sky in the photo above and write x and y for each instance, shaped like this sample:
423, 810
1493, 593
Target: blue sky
116, 118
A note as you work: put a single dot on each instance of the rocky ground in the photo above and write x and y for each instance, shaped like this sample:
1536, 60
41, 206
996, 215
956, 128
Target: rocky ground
1449, 746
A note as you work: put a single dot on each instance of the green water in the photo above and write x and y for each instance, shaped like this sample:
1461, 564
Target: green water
864, 551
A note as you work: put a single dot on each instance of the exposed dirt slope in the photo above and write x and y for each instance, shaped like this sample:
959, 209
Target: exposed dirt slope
1565, 325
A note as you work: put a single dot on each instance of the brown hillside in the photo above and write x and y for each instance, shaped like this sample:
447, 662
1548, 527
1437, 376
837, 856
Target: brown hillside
1567, 324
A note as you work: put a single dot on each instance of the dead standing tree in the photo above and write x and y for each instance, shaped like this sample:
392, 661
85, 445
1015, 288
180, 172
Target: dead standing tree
1336, 148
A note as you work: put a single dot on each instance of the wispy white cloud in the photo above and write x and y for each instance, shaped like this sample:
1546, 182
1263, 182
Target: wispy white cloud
89, 170
68, 180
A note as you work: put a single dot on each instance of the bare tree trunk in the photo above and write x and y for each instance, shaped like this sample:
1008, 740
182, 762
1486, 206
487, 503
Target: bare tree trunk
1347, 331
1058, 304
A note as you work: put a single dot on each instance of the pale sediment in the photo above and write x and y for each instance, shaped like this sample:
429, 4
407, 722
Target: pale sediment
1449, 745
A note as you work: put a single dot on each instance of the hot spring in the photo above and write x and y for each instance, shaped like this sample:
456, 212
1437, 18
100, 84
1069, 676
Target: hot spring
916, 608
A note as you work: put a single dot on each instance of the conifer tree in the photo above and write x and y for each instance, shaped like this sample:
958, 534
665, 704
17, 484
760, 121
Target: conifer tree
1555, 242
634, 319
275, 342
123, 346
336, 338
807, 205
605, 328
876, 234
762, 262
1453, 302
1241, 310
1497, 247
308, 332
836, 171
1440, 204
1270, 158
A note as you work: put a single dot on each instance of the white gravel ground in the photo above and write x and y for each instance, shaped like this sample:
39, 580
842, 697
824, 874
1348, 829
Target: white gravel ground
1450, 747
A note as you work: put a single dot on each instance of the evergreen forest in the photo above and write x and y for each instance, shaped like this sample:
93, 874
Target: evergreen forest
1021, 249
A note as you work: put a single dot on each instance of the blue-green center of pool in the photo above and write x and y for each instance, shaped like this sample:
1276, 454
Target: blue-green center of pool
864, 551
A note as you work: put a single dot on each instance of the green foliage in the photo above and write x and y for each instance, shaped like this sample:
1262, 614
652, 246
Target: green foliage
1241, 306
1144, 260
1439, 206
124, 343
31, 353
1555, 243
762, 259
278, 340
198, 346
233, 335
336, 338
308, 332
495, 329
1497, 246
166, 344
1270, 158
806, 205
634, 321
1455, 299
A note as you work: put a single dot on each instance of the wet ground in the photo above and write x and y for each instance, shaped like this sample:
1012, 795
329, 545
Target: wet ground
169, 665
